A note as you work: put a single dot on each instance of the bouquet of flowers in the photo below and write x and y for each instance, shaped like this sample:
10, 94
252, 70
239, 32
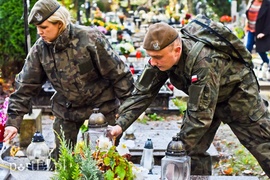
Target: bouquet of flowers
106, 162
225, 19
112, 25
125, 48
113, 161
3, 112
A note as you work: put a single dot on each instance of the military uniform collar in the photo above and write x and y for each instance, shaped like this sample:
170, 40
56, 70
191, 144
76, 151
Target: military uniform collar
186, 47
63, 40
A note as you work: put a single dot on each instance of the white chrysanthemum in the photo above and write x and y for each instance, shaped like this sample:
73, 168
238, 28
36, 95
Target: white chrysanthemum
122, 149
129, 47
139, 172
104, 143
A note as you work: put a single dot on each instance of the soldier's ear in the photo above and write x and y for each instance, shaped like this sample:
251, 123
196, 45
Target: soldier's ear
60, 25
178, 48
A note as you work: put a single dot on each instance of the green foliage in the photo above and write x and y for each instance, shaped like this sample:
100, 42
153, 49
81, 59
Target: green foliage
155, 117
143, 120
75, 165
12, 38
84, 128
66, 166
150, 117
114, 165
89, 169
218, 7
181, 104
239, 32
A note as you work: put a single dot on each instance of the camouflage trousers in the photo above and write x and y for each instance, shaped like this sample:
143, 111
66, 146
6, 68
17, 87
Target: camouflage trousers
253, 135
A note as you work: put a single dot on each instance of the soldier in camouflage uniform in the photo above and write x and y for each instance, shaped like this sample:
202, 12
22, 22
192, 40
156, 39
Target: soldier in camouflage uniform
220, 89
83, 68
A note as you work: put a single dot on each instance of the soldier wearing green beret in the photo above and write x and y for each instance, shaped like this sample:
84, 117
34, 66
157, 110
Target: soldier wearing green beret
220, 89
80, 63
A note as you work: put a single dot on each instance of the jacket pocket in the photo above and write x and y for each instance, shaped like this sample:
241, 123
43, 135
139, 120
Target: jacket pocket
195, 96
258, 112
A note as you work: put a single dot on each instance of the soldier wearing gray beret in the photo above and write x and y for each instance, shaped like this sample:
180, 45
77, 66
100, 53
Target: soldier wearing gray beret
42, 11
220, 89
82, 67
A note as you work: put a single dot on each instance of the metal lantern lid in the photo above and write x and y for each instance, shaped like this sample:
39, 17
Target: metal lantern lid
97, 119
175, 147
38, 137
148, 144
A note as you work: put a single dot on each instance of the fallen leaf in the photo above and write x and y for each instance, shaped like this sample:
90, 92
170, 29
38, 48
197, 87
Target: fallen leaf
228, 171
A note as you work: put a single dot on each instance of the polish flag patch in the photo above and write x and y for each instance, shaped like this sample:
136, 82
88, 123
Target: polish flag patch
194, 78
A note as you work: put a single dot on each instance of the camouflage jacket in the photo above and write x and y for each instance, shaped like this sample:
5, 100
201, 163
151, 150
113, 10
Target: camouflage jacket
84, 70
214, 79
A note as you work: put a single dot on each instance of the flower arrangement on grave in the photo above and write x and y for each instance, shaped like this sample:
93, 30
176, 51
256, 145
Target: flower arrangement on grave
3, 112
98, 14
225, 19
3, 118
98, 22
102, 29
186, 19
176, 17
125, 48
113, 161
113, 25
75, 163
106, 162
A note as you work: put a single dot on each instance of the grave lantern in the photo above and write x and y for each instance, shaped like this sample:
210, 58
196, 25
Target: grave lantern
37, 152
176, 164
97, 126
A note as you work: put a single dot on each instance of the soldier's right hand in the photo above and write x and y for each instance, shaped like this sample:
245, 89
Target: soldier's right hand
114, 131
10, 133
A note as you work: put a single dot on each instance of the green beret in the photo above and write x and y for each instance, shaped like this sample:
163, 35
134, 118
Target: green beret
159, 36
42, 10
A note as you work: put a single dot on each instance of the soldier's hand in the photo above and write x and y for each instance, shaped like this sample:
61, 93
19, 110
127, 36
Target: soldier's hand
260, 35
10, 133
114, 131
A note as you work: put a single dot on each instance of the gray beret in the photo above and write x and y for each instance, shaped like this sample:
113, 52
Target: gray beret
42, 10
159, 36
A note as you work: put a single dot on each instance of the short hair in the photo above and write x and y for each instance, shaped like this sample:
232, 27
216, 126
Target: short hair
177, 41
61, 15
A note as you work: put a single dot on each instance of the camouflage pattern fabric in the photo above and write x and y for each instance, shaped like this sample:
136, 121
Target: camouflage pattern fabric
86, 74
220, 89
83, 69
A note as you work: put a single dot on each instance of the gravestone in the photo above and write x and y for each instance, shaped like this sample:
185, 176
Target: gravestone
30, 124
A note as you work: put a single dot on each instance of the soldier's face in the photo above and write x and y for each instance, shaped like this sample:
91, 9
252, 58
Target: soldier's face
165, 58
48, 31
